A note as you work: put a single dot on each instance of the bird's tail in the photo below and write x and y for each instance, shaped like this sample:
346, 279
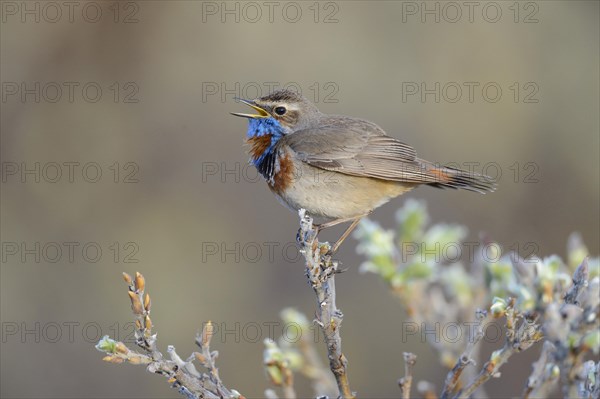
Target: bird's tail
449, 177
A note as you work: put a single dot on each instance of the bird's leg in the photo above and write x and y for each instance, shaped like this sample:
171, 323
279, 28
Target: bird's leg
335, 222
352, 226
345, 235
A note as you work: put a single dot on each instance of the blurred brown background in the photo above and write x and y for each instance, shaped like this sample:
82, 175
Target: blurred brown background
176, 195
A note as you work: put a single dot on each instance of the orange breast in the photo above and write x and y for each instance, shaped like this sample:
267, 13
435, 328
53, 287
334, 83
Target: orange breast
283, 178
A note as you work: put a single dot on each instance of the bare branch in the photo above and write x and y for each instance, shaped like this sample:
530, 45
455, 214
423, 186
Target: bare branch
405, 382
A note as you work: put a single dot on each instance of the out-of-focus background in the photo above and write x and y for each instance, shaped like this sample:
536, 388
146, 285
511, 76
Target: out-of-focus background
119, 154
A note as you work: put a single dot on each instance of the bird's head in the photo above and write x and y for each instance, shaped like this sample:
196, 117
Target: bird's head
281, 112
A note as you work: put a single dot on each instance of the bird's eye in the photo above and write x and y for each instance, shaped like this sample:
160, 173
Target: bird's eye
280, 110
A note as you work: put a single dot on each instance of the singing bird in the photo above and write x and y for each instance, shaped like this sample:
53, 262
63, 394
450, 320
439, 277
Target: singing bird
337, 168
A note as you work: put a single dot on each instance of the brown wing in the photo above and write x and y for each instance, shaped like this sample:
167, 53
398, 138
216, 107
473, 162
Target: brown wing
361, 148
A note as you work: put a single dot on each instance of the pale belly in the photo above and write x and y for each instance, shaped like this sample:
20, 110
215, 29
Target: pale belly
330, 195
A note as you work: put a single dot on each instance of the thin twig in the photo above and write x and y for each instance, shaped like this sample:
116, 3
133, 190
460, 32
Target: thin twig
521, 333
490, 368
206, 357
466, 358
573, 315
541, 381
405, 382
181, 374
580, 282
320, 270
277, 367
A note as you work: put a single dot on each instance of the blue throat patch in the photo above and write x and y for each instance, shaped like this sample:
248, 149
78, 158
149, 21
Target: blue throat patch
262, 126
267, 162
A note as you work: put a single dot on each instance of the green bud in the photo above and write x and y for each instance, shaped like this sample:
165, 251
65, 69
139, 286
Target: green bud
498, 307
107, 345
272, 358
495, 356
274, 374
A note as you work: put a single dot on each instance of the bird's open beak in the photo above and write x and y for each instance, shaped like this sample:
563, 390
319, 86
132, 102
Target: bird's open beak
261, 112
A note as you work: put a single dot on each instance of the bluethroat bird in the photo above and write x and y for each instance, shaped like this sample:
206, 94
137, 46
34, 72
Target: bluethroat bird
338, 168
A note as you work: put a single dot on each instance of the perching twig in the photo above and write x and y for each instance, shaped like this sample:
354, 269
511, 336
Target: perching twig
405, 382
320, 270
